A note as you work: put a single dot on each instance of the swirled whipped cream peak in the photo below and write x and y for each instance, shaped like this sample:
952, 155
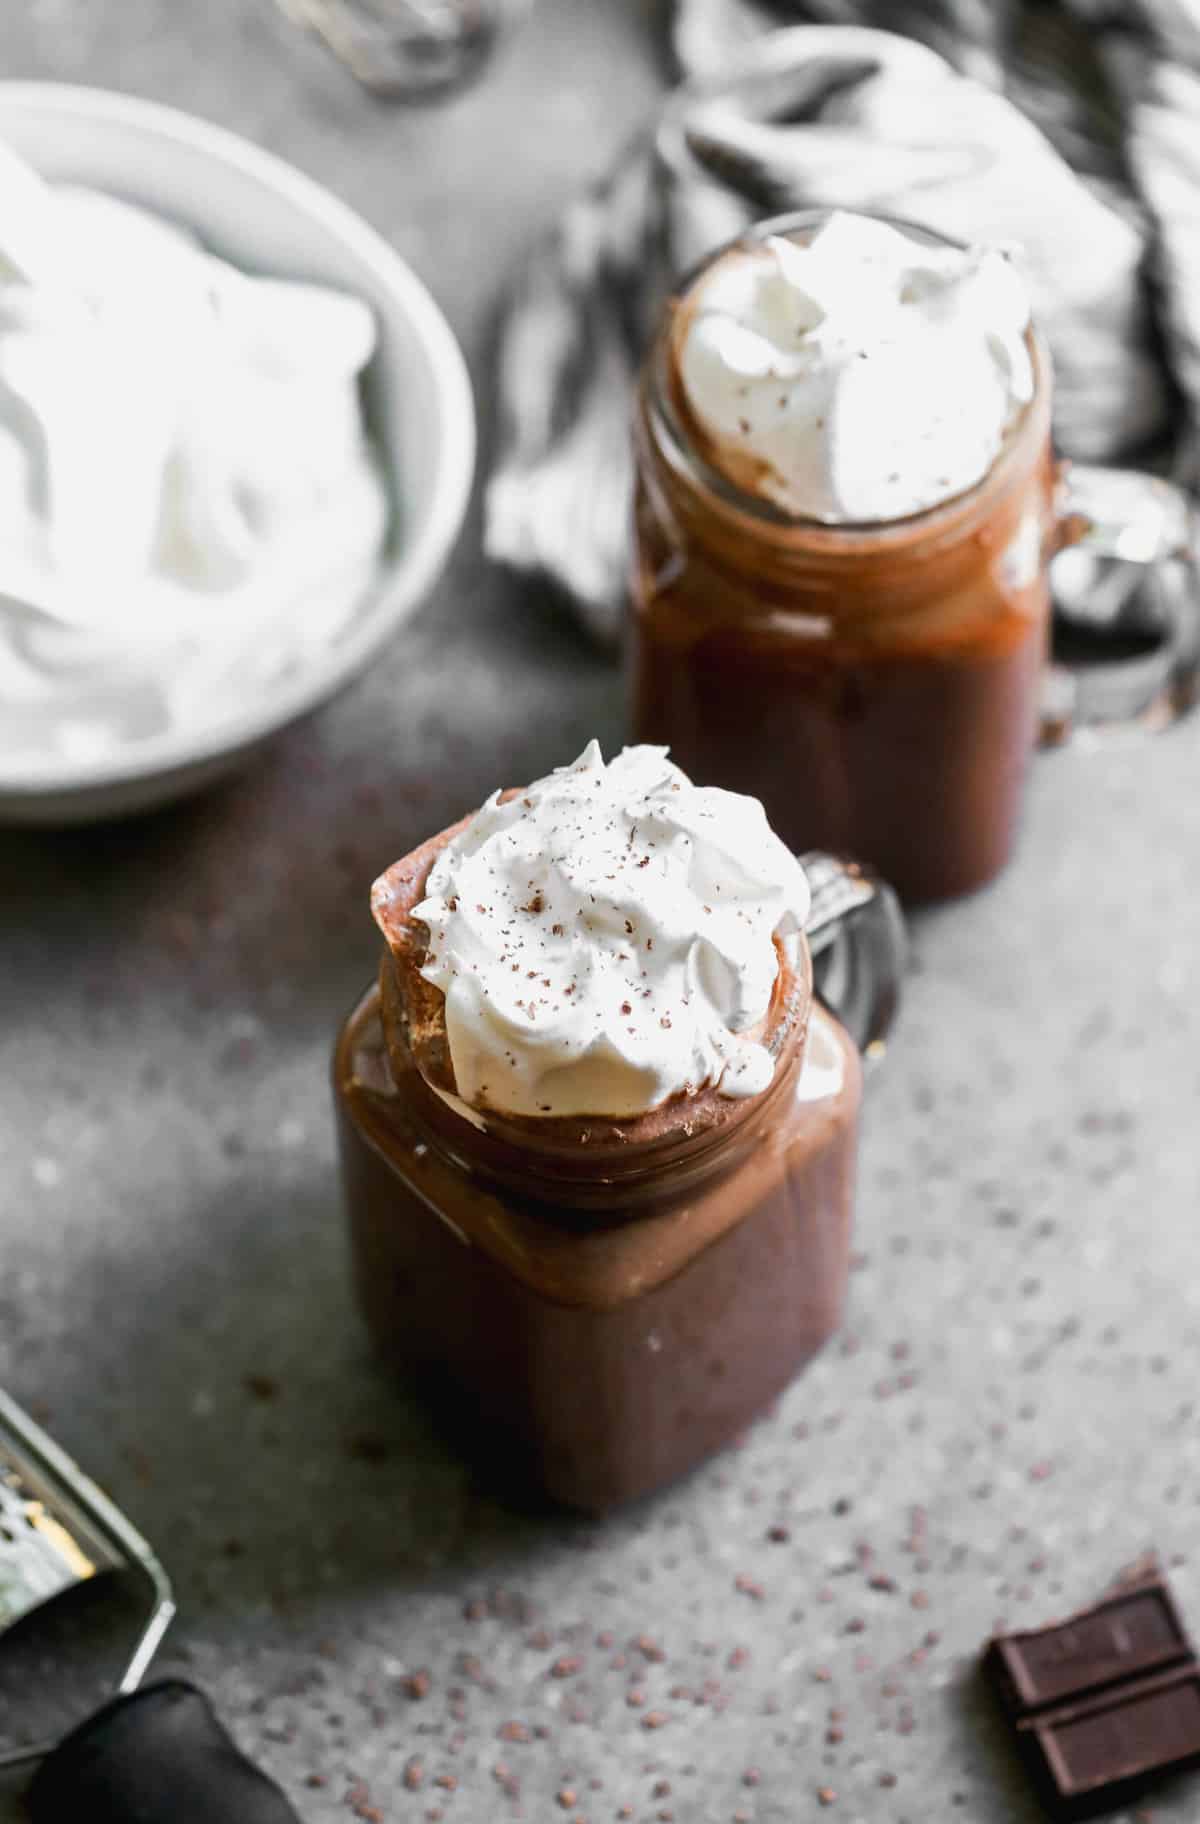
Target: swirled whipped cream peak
609, 938
861, 376
191, 509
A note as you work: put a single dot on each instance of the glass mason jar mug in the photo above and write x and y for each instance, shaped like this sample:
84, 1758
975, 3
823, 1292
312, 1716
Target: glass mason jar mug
600, 1304
879, 686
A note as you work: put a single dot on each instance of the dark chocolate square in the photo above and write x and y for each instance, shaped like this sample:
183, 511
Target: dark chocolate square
1129, 1635
1104, 1703
1094, 1756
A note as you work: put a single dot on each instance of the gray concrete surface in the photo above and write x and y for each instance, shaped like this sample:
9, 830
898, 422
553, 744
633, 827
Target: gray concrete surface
1011, 1412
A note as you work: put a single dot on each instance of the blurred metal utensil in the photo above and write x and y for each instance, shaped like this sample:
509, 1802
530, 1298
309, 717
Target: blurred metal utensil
407, 49
57, 1530
156, 1753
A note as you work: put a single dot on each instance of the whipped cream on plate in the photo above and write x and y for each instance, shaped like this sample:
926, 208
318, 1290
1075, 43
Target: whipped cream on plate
863, 376
189, 502
607, 939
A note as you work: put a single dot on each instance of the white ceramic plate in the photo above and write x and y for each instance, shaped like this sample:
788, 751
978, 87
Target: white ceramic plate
264, 216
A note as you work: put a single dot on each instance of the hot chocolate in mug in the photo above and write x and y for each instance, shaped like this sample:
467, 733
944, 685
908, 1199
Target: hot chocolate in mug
600, 1302
880, 684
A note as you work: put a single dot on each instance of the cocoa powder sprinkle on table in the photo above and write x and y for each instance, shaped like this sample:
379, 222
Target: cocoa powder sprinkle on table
262, 1387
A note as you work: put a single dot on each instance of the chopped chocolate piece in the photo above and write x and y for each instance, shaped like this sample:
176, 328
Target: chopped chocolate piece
1104, 1702
1094, 1756
1134, 1632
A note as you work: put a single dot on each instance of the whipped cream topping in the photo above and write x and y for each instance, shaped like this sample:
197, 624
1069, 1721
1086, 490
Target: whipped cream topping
607, 939
863, 376
190, 506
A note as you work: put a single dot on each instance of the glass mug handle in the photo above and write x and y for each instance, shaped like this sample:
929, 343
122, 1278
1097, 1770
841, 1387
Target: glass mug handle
856, 934
1125, 579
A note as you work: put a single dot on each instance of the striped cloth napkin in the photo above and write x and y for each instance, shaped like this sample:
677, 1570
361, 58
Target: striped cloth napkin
1068, 127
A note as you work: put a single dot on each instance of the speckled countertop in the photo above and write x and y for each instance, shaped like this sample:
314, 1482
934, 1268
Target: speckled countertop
1011, 1412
